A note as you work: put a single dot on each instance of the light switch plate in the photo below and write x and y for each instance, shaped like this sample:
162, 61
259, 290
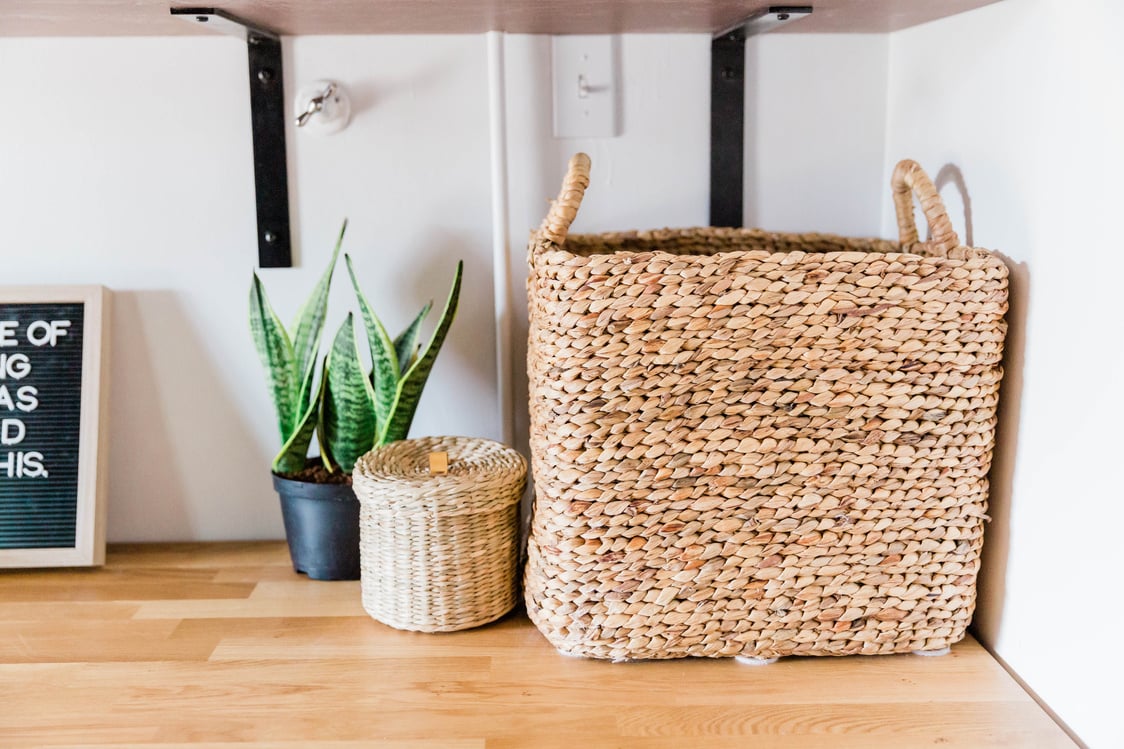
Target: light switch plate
585, 86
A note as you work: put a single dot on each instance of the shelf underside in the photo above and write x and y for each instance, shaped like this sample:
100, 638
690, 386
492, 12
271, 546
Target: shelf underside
305, 17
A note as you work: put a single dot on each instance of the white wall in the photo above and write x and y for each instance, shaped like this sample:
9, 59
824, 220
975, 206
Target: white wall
1025, 100
127, 162
815, 132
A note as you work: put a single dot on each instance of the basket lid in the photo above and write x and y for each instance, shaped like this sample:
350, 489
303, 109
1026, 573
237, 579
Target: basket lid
482, 474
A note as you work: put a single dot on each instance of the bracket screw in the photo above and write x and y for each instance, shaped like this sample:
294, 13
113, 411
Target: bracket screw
270, 237
265, 75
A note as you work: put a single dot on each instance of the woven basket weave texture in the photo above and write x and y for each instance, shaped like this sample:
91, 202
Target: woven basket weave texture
439, 552
759, 444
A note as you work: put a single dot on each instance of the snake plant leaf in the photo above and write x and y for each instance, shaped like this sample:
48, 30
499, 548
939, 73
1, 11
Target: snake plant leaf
347, 416
321, 429
383, 356
276, 353
294, 453
406, 345
412, 383
305, 398
310, 322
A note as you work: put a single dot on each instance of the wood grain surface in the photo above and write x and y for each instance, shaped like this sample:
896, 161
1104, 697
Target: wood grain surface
223, 645
151, 17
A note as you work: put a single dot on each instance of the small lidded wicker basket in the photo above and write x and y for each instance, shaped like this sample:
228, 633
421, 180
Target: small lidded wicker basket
439, 551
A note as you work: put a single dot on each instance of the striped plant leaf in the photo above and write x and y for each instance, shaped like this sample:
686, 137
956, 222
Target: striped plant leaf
305, 399
384, 376
276, 353
309, 323
347, 415
294, 453
406, 344
412, 383
321, 427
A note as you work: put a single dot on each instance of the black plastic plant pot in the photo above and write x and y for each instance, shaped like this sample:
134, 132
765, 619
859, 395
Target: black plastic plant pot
322, 528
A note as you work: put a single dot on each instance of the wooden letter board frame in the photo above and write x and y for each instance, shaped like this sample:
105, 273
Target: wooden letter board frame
89, 543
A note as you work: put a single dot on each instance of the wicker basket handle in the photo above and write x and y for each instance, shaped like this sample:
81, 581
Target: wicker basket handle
563, 210
910, 179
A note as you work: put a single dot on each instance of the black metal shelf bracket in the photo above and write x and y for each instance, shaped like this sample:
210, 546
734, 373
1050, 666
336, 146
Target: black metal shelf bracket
267, 121
727, 109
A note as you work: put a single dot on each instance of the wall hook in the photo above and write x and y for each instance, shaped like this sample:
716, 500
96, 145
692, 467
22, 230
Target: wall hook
322, 108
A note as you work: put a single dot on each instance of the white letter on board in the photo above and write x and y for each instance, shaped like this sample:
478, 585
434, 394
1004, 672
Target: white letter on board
41, 331
7, 333
6, 435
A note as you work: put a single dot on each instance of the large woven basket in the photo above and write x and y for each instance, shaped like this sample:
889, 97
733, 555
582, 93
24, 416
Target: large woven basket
439, 552
757, 444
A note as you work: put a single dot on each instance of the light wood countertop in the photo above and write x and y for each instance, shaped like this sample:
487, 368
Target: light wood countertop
223, 645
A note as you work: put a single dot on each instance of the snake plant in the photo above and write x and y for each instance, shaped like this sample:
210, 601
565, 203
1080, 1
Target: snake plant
363, 411
350, 410
290, 361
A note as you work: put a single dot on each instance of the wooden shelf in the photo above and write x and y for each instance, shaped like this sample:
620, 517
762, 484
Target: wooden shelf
214, 645
305, 17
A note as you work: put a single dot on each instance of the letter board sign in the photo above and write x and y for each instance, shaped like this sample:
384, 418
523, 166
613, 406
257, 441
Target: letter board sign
52, 403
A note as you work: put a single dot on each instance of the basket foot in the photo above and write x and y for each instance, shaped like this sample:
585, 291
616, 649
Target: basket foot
749, 660
933, 653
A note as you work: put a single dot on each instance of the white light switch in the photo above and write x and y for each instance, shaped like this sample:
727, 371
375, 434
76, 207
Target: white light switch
585, 86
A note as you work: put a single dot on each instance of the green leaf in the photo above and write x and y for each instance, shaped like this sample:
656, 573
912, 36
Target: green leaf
383, 357
321, 428
276, 353
310, 322
347, 416
294, 453
413, 382
305, 399
406, 344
